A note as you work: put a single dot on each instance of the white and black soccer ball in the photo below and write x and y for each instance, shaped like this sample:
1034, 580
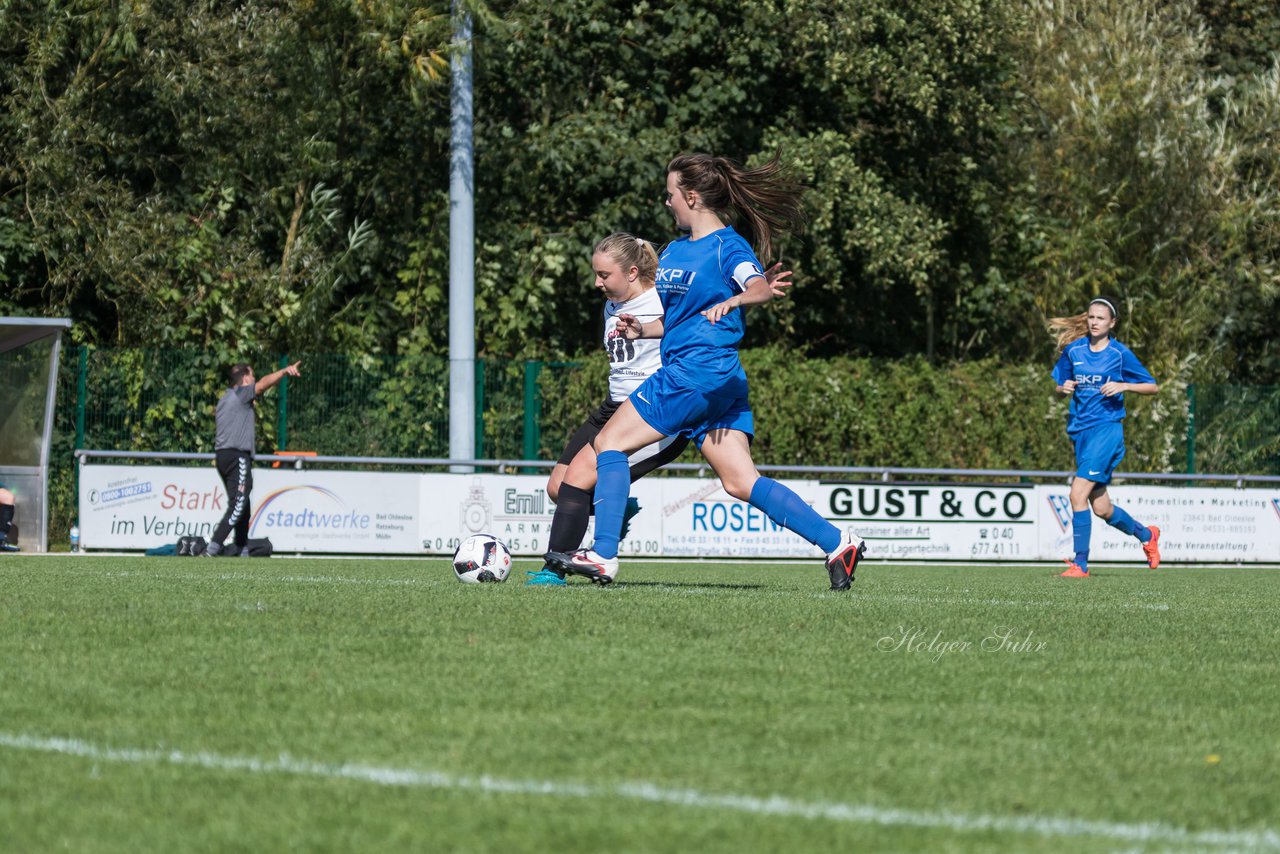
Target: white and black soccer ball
482, 558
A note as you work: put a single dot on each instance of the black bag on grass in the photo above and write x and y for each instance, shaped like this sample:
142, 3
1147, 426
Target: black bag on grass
259, 548
191, 546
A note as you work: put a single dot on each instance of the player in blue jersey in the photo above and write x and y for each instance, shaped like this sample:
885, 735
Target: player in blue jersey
704, 280
625, 268
1096, 370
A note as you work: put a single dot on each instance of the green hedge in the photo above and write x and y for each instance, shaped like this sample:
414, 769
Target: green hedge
902, 413
837, 412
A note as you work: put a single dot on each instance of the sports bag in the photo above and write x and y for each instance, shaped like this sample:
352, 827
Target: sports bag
191, 546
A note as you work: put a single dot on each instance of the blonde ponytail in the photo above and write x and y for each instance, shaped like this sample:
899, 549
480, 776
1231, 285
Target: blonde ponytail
631, 251
1067, 329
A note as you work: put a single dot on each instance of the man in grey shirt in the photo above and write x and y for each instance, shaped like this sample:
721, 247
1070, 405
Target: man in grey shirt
233, 444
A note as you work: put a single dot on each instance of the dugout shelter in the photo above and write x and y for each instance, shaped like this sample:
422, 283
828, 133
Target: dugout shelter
29, 350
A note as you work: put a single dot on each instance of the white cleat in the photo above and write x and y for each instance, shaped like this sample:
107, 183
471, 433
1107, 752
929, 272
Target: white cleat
585, 562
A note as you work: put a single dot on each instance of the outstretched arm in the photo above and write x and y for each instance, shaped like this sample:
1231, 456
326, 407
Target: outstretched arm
758, 291
778, 279
274, 377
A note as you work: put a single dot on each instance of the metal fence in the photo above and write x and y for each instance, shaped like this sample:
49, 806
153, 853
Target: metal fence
398, 407
163, 400
1233, 428
388, 406
385, 406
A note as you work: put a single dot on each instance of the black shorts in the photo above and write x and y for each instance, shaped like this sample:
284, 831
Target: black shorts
645, 460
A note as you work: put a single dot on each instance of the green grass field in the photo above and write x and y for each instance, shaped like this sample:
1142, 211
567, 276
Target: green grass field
170, 704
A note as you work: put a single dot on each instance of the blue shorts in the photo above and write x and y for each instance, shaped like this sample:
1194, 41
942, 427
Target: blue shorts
1099, 451
676, 408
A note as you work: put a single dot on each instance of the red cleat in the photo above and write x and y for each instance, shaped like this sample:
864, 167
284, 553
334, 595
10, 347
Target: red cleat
1151, 548
843, 562
1073, 570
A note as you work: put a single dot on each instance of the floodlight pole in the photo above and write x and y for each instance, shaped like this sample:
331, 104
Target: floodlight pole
462, 251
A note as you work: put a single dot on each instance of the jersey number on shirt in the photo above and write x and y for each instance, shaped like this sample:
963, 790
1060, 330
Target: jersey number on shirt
621, 349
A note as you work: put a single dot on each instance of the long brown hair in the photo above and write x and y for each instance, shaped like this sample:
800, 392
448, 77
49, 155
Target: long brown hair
631, 251
1067, 329
763, 201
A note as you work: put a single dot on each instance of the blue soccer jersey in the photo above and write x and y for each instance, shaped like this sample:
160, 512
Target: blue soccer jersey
694, 275
1091, 371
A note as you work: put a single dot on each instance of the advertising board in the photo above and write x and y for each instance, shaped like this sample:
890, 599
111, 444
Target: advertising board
138, 507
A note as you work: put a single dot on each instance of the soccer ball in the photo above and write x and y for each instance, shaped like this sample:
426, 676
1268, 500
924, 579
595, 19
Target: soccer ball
481, 558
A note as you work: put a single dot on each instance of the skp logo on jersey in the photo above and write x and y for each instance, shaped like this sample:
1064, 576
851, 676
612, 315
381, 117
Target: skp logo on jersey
669, 278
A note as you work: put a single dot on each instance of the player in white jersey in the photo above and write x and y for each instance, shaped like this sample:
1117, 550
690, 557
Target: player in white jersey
624, 266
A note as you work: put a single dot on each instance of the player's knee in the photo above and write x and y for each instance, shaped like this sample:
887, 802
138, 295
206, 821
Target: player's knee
739, 488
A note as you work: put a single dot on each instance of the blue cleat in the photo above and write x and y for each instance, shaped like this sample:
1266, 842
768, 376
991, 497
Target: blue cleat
633, 507
545, 577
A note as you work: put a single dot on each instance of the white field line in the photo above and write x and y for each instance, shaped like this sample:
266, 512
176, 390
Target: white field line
1045, 826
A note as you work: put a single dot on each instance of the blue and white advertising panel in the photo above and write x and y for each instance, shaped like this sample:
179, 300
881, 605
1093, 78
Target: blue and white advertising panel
138, 507
514, 508
697, 518
1196, 524
517, 510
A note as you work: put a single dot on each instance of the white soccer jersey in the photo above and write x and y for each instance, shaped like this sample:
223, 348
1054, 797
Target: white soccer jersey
631, 362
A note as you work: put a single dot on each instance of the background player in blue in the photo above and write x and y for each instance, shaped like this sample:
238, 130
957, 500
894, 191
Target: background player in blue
704, 279
1096, 370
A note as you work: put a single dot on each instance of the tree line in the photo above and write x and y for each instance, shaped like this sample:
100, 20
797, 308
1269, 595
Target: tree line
268, 176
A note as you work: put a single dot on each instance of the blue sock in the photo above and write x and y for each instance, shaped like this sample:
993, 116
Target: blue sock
1125, 523
791, 512
1082, 528
613, 484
